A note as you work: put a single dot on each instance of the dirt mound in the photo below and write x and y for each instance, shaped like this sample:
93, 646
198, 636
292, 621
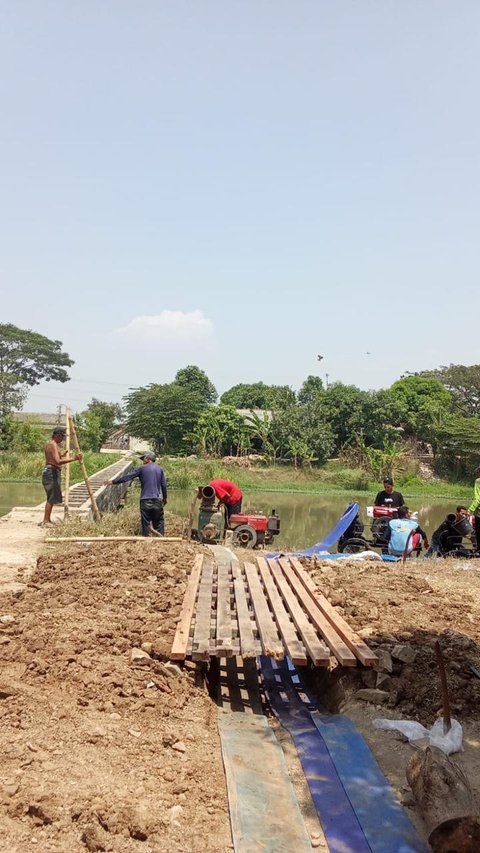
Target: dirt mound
402, 611
105, 745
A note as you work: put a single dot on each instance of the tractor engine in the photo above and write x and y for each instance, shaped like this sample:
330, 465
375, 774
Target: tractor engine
251, 530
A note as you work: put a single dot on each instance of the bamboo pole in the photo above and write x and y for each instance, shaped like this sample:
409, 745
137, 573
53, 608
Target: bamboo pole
95, 510
66, 496
52, 539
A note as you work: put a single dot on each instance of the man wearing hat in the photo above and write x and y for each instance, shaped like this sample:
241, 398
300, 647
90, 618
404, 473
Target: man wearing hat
51, 473
387, 497
153, 495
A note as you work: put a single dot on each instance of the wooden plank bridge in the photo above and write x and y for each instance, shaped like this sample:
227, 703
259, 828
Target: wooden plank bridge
264, 607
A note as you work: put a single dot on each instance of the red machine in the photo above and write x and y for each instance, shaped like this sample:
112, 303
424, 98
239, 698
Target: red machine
253, 529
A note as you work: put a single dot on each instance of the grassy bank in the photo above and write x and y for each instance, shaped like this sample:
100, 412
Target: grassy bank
25, 467
333, 478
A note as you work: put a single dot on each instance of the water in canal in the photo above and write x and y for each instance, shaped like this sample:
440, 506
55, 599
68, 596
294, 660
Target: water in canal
305, 519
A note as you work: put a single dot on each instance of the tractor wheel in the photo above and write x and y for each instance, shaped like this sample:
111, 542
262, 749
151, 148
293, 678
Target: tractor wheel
353, 546
245, 536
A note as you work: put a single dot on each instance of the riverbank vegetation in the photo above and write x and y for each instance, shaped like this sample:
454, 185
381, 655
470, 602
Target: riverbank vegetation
18, 466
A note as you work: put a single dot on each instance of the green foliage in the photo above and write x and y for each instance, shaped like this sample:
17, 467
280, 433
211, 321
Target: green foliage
96, 423
301, 433
164, 415
377, 462
195, 379
311, 390
27, 358
258, 396
463, 383
417, 405
220, 430
18, 466
349, 411
459, 442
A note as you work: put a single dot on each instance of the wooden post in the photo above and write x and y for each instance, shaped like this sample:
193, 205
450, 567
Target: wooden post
73, 431
66, 496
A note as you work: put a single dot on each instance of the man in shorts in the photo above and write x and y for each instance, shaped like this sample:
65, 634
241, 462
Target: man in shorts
51, 473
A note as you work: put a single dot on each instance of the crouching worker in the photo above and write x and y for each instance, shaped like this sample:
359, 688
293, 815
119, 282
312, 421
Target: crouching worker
449, 535
398, 533
153, 495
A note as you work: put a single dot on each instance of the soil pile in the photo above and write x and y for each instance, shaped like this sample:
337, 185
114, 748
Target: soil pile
105, 745
401, 612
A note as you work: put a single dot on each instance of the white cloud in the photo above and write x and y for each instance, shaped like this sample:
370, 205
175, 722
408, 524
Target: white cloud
170, 326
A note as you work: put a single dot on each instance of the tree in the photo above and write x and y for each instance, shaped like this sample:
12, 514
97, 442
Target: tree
302, 434
89, 431
222, 431
164, 415
257, 395
463, 383
418, 405
27, 358
311, 389
459, 443
195, 379
108, 414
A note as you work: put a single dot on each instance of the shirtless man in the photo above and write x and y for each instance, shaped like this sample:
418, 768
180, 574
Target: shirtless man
51, 473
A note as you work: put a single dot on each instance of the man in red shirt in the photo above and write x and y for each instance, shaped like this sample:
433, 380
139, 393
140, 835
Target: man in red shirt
229, 494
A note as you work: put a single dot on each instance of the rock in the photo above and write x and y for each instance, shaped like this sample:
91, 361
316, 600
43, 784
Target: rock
7, 619
405, 653
376, 697
173, 669
383, 680
139, 657
92, 838
367, 631
369, 677
95, 733
134, 733
175, 812
179, 746
384, 661
147, 647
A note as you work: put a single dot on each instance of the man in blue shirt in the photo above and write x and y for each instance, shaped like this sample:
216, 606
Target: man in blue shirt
399, 530
153, 495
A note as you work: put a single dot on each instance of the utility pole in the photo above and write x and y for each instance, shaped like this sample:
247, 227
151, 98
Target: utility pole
326, 380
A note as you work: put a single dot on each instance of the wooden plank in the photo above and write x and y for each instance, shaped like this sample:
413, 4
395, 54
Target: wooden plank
248, 643
295, 648
271, 644
203, 612
223, 632
317, 650
182, 634
341, 651
51, 539
348, 635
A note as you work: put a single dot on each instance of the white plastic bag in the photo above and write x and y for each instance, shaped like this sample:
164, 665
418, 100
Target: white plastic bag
413, 731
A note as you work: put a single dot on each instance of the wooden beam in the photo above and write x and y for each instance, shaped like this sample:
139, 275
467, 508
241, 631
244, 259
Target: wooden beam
341, 651
286, 628
51, 539
249, 645
180, 642
66, 496
317, 650
203, 614
348, 635
223, 632
271, 644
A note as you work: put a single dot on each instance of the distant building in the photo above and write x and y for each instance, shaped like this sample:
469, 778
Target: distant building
45, 420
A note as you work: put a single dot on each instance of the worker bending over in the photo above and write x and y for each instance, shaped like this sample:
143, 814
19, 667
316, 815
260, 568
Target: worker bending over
229, 494
153, 495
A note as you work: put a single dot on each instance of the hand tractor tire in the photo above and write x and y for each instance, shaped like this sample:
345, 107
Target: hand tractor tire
353, 546
244, 536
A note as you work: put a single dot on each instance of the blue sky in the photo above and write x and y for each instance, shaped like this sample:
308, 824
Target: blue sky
240, 185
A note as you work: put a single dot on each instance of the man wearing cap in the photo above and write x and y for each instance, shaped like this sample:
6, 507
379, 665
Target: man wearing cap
51, 473
153, 495
387, 497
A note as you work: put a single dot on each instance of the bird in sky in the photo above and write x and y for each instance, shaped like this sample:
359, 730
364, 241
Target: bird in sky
369, 353
319, 357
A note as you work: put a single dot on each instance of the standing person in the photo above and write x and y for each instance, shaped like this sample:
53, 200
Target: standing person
51, 473
475, 507
399, 530
387, 497
153, 495
229, 494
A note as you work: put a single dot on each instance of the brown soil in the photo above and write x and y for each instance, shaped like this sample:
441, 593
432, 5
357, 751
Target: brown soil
100, 753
